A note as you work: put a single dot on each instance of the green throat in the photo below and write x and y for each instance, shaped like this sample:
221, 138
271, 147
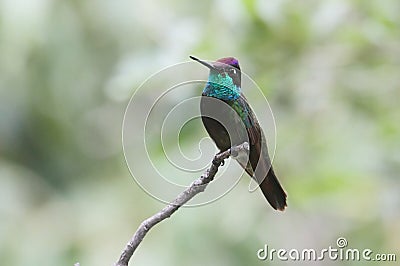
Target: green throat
221, 86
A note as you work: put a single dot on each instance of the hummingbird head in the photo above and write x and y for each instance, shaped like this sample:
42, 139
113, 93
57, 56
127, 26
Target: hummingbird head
224, 79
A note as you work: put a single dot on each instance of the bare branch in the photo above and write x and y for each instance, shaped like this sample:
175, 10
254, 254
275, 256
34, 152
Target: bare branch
199, 185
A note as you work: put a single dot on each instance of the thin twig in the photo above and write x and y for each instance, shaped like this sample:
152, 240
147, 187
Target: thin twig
199, 185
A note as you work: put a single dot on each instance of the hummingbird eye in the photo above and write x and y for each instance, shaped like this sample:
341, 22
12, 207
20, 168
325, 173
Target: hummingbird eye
232, 70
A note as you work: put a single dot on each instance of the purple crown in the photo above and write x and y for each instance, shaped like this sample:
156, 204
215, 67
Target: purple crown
230, 61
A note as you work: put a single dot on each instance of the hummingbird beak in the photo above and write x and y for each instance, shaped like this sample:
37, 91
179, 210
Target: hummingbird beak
203, 62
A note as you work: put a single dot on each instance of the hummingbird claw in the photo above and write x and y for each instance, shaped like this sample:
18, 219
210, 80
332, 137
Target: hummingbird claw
217, 162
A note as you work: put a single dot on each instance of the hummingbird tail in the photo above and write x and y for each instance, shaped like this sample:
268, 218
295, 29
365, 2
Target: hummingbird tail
273, 191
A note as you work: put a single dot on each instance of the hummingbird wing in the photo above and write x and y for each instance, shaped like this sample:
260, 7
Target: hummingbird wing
259, 165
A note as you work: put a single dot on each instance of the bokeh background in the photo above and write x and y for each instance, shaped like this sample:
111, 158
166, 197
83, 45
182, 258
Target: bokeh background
330, 70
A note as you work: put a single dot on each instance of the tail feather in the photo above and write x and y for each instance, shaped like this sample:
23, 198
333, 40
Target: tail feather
273, 191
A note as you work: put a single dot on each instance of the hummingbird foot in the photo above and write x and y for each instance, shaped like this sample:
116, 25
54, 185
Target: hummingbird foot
218, 162
240, 150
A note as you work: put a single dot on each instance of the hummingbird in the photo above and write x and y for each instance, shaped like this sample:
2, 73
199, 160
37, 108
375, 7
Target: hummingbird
229, 121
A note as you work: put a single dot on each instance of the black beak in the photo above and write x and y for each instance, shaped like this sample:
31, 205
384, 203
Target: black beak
202, 62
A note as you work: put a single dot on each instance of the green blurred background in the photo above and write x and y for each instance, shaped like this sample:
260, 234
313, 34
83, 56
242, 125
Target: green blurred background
330, 70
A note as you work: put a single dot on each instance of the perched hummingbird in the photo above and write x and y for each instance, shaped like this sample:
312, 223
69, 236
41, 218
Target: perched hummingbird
225, 109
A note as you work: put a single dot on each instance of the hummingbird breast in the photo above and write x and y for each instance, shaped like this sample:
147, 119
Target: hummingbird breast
222, 122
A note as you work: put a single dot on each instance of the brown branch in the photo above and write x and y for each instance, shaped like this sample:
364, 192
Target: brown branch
199, 185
